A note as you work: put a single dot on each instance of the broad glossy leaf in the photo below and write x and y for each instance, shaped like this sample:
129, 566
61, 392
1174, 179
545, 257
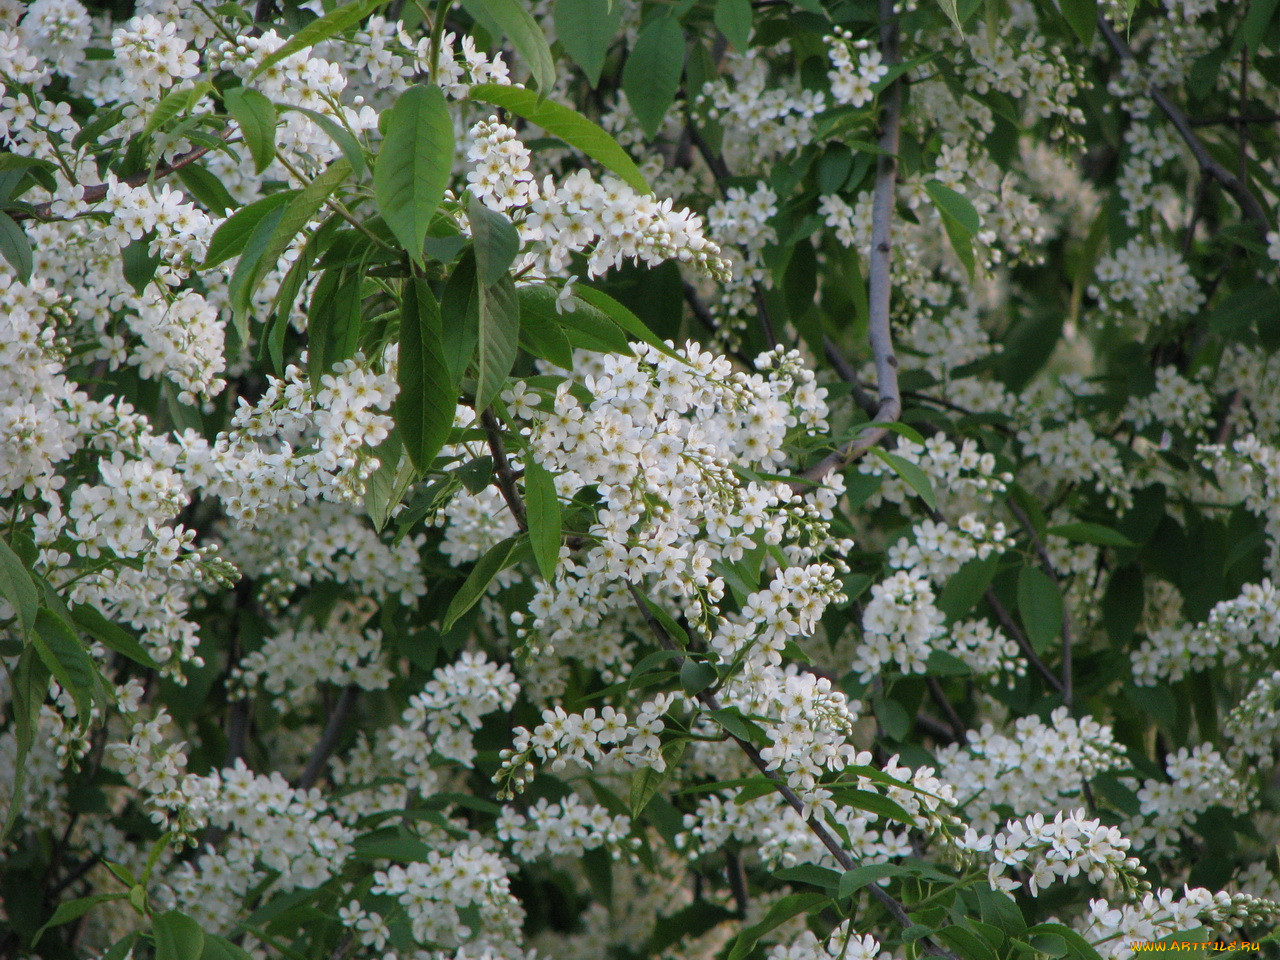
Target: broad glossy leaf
1040, 603
412, 167
232, 235
495, 560
15, 247
425, 405
17, 587
177, 936
499, 327
542, 508
586, 28
256, 116
733, 19
652, 72
495, 239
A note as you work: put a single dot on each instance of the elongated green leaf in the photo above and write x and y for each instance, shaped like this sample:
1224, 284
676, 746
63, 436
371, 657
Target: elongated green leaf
177, 937
959, 219
1082, 17
792, 905
111, 635
498, 557
15, 247
540, 330
966, 586
1094, 533
412, 167
73, 910
17, 587
460, 315
851, 881
256, 116
29, 685
425, 405
696, 676
174, 103
651, 75
911, 475
585, 29
331, 24
645, 784
569, 125
733, 19
1040, 603
232, 235
220, 948
542, 507
333, 330
66, 658
496, 242
631, 325
499, 339
950, 8
515, 21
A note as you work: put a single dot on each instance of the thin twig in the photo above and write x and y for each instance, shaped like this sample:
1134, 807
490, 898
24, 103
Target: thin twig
1007, 621
953, 718
1209, 167
1227, 120
849, 375
502, 468
880, 269
737, 877
324, 747
98, 191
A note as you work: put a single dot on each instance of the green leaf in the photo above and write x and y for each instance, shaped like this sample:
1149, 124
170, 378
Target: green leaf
733, 19
388, 484
17, 587
1082, 17
782, 910
29, 686
495, 239
851, 881
1094, 533
111, 635
1040, 604
220, 948
177, 936
645, 784
15, 247
413, 164
651, 75
540, 330
542, 508
966, 586
585, 29
331, 24
911, 475
460, 315
138, 265
624, 318
495, 560
232, 235
1254, 27
499, 339
333, 327
953, 13
346, 142
510, 17
66, 658
256, 116
428, 397
74, 910
696, 676
567, 124
174, 103
959, 219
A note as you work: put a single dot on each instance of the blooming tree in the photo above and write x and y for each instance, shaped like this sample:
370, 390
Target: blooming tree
638, 478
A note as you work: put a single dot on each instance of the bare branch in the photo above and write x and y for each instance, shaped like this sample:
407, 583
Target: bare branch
1209, 167
502, 467
324, 747
1046, 563
879, 274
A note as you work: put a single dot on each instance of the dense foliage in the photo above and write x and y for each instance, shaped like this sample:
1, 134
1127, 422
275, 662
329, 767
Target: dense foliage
639, 478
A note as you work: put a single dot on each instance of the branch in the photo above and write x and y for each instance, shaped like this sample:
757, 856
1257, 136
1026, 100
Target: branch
1210, 168
1006, 621
324, 747
502, 467
98, 191
879, 274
